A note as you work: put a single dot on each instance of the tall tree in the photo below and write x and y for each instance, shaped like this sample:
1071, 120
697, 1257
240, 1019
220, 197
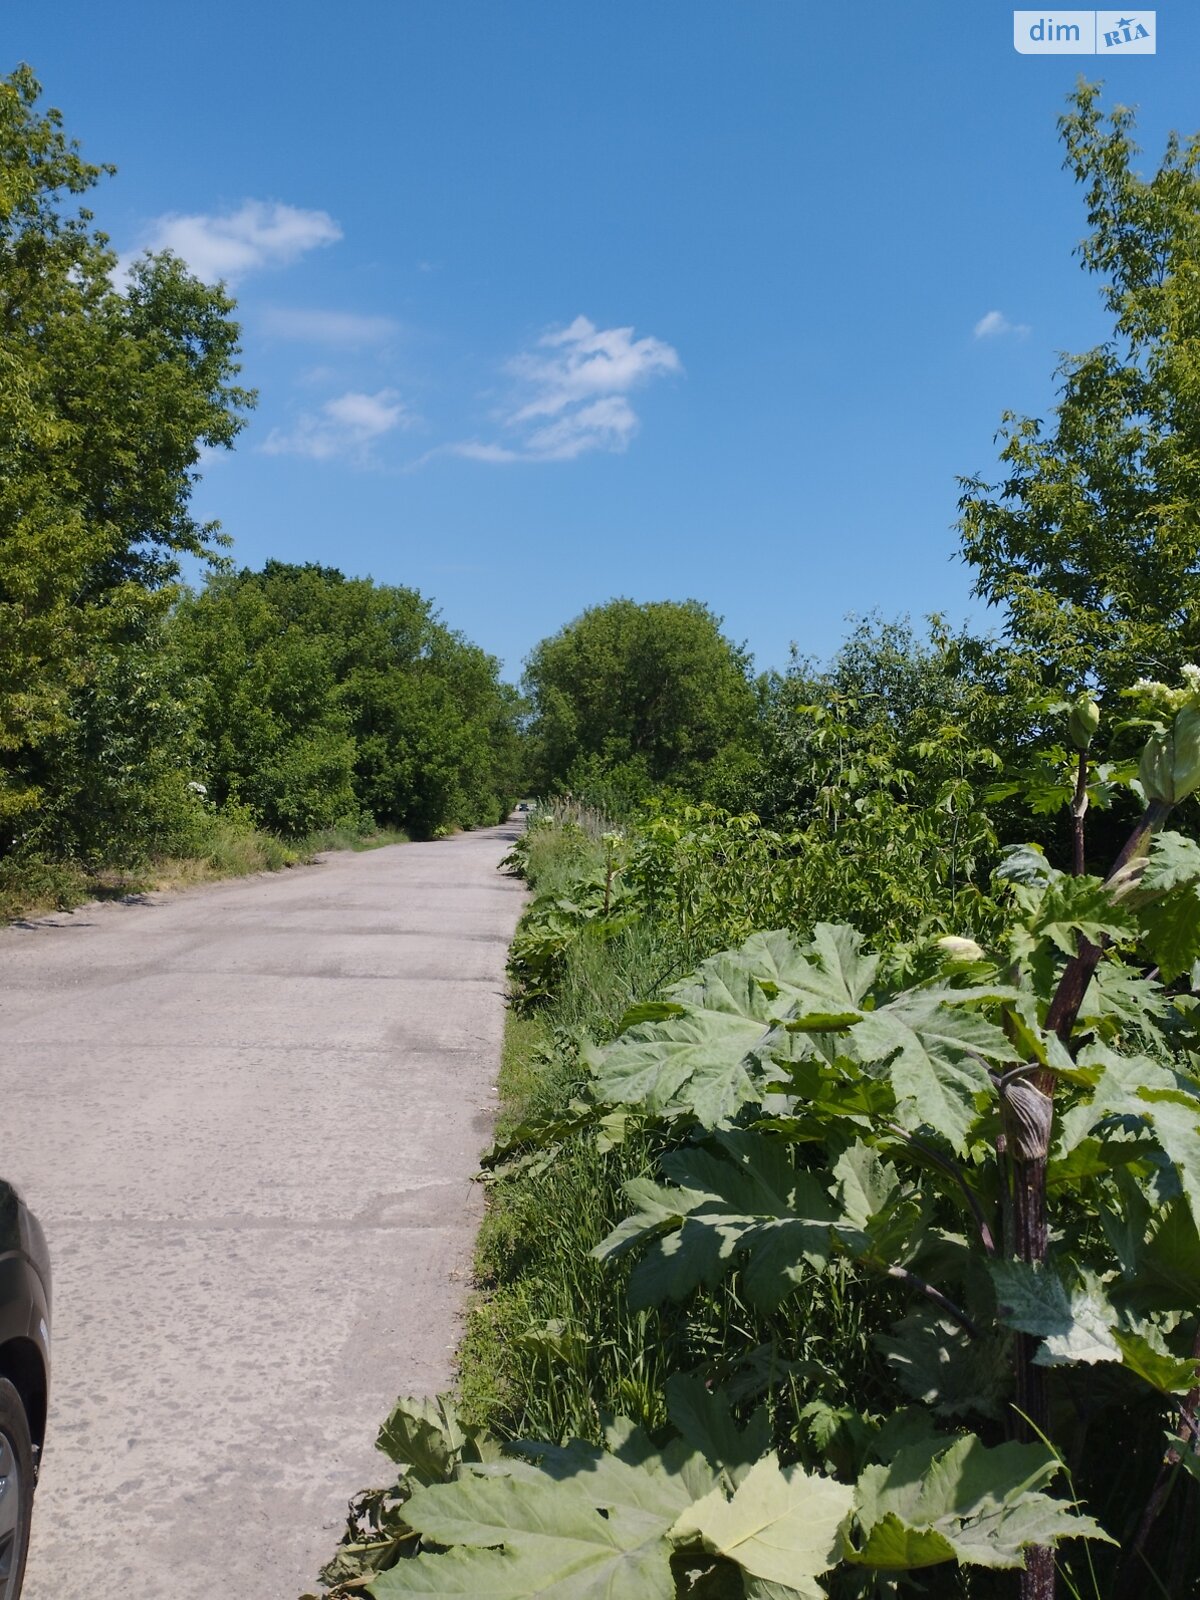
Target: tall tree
108, 392
1092, 537
316, 698
656, 689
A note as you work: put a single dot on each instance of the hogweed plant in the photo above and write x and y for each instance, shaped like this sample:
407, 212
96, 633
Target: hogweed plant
1005, 1130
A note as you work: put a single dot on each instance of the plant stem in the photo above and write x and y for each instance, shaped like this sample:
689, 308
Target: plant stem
1077, 974
953, 1170
1079, 805
1039, 1580
936, 1295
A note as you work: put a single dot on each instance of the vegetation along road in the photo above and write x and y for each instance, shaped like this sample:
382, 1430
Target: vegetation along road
248, 1117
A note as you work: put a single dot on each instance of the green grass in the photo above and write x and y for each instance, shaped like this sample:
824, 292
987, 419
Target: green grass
551, 1340
559, 850
231, 849
28, 887
347, 838
526, 1085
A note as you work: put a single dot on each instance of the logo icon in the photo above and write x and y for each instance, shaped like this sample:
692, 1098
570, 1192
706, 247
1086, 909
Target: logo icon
1127, 34
1084, 33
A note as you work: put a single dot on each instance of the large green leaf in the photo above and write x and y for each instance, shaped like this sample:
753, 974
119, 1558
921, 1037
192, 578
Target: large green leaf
1167, 901
705, 1423
745, 1198
704, 1062
933, 1044
1165, 1263
1144, 1353
582, 1524
1143, 1094
1074, 1321
893, 1545
966, 1502
712, 1057
525, 1148
867, 1183
881, 1216
1121, 993
1025, 863
1071, 909
427, 1440
1188, 1459
742, 1202
937, 1362
629, 1470
780, 1526
1171, 931
530, 1574
829, 973
1078, 1322
1174, 863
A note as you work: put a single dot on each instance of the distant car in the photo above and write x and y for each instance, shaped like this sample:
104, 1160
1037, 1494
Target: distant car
522, 806
24, 1378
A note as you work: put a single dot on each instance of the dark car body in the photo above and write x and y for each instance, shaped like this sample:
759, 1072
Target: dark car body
25, 1310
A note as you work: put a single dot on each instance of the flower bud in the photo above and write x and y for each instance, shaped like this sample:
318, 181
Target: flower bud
1170, 766
1083, 722
960, 949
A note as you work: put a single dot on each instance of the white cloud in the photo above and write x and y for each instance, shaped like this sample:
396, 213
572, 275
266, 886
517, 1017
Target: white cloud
345, 427
260, 233
588, 361
606, 424
572, 390
347, 330
994, 324
473, 450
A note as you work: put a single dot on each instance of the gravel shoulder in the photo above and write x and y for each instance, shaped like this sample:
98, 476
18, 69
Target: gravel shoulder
248, 1116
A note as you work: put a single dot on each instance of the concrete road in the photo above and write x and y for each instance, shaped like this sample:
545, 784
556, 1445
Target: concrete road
247, 1117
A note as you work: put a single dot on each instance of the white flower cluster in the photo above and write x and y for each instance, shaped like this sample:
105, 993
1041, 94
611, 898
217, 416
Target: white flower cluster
1157, 696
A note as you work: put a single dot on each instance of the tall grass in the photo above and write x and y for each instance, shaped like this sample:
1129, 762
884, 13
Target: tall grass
551, 1341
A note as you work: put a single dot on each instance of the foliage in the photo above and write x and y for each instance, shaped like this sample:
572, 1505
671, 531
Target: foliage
801, 1121
1089, 539
702, 1514
294, 699
109, 395
316, 697
643, 694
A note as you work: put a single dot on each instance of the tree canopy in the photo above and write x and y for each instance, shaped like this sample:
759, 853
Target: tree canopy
316, 698
108, 393
653, 689
1092, 537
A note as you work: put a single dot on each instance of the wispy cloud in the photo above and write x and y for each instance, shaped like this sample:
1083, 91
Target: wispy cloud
259, 234
344, 428
345, 330
572, 391
994, 324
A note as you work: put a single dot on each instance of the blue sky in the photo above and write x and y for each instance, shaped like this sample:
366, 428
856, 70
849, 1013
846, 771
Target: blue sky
548, 302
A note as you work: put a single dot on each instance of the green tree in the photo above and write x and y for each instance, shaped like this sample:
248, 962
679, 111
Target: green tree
107, 395
652, 690
318, 698
1092, 537
262, 699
